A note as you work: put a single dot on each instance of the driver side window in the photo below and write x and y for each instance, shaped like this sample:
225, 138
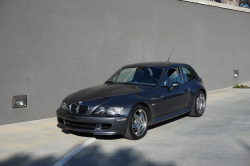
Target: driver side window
174, 75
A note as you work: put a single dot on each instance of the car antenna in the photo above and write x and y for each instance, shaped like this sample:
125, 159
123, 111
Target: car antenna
170, 54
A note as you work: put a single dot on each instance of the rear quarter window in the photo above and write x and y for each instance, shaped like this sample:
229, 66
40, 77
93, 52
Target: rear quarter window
188, 74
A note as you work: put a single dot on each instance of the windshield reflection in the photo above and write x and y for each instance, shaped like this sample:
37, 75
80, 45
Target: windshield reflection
148, 76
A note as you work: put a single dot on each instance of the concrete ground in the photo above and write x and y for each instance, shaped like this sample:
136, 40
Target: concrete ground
220, 137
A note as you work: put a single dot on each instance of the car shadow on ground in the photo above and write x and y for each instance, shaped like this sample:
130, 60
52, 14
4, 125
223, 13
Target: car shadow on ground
93, 155
114, 137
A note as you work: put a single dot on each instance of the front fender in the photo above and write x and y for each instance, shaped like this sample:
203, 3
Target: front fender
130, 101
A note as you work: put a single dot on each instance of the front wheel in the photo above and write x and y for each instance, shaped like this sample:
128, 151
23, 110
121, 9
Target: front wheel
138, 123
199, 105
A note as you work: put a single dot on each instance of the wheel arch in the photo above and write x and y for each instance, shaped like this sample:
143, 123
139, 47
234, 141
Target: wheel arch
204, 91
144, 104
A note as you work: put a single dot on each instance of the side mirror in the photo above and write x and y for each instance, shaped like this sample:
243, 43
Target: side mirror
174, 84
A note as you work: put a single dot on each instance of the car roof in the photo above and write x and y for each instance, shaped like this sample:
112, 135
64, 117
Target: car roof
153, 64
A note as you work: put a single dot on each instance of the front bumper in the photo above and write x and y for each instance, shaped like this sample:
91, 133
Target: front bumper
93, 124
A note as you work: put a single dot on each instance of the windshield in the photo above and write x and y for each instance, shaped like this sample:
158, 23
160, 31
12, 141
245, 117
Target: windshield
137, 75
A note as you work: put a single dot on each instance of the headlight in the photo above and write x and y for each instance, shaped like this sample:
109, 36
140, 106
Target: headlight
108, 111
63, 106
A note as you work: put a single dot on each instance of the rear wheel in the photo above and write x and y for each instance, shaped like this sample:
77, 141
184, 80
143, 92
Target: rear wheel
199, 105
138, 123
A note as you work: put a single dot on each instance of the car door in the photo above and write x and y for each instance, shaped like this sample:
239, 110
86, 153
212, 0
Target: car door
174, 98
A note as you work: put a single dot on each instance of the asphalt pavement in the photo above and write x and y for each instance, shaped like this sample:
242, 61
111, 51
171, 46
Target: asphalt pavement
220, 137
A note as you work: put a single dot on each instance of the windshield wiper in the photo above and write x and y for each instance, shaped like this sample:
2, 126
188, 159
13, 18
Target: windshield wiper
133, 83
110, 82
129, 83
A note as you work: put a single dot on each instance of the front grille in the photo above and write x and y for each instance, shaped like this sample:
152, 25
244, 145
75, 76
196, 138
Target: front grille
90, 126
73, 108
78, 109
83, 109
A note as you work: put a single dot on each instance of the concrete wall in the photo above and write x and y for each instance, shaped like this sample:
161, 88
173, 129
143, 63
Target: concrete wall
50, 48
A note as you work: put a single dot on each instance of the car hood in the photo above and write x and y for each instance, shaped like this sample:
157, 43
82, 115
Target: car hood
103, 93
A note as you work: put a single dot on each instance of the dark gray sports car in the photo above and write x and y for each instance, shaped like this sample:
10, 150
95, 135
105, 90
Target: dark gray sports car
136, 96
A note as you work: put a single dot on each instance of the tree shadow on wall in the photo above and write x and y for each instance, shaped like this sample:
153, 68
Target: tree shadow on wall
92, 155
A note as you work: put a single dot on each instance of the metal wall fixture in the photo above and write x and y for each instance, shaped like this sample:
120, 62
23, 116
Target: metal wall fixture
19, 101
236, 74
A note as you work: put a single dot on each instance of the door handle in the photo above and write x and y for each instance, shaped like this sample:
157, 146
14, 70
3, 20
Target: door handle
186, 90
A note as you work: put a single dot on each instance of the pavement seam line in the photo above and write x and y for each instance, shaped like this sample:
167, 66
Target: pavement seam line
74, 152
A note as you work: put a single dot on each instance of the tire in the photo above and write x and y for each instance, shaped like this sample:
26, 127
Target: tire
138, 120
199, 105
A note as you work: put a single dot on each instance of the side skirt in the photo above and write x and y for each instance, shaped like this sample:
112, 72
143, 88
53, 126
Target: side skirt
169, 116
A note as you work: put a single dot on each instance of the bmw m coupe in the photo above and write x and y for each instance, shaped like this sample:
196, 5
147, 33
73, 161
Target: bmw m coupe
133, 98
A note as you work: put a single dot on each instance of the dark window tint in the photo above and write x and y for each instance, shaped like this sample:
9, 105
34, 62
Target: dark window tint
174, 75
188, 74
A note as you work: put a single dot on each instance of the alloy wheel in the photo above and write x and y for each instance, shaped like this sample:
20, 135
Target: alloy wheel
200, 103
139, 122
